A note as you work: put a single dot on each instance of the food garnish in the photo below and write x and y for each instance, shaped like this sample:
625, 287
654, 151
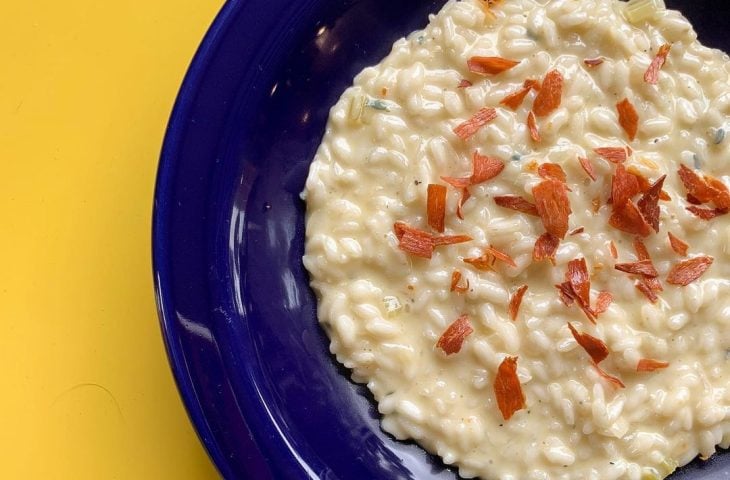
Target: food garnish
507, 388
688, 271
649, 365
515, 202
550, 95
553, 206
552, 171
593, 346
613, 154
593, 62
471, 126
628, 118
642, 267
453, 338
652, 73
615, 381
455, 280
532, 127
679, 246
436, 206
490, 65
546, 247
587, 167
515, 301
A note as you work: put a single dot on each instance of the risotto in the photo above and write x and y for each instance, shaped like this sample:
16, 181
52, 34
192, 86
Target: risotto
517, 231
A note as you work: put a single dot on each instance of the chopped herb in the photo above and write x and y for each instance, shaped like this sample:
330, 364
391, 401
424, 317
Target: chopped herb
719, 135
421, 39
697, 161
377, 104
516, 157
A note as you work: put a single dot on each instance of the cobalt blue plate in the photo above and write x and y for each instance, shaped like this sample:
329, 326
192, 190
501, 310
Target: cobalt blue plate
238, 318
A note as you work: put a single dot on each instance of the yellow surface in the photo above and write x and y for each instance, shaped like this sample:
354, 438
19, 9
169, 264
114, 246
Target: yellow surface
86, 88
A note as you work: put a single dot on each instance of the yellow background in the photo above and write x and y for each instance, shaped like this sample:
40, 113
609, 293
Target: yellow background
86, 88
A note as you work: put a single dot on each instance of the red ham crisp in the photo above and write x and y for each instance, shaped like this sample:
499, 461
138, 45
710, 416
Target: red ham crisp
490, 65
707, 213
579, 279
593, 346
436, 206
587, 167
453, 338
615, 381
688, 271
642, 267
553, 206
468, 128
550, 96
507, 388
679, 246
515, 301
514, 100
628, 219
546, 247
515, 202
613, 154
553, 171
593, 62
455, 279
649, 203
649, 365
628, 118
652, 73
532, 127
623, 187
605, 299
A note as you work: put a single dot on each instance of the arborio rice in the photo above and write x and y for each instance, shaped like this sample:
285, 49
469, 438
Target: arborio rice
605, 358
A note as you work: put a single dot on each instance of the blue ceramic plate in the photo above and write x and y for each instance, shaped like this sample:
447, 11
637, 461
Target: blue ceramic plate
238, 318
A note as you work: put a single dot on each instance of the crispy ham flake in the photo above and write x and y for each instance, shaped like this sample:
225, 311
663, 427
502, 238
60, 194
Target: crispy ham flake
417, 243
453, 338
501, 256
649, 203
464, 83
546, 247
436, 206
550, 95
465, 194
706, 213
628, 219
553, 206
515, 301
532, 127
490, 65
679, 246
507, 388
580, 281
613, 154
593, 62
514, 100
642, 267
649, 365
615, 381
605, 299
485, 168
628, 118
517, 203
455, 280
587, 167
624, 187
552, 171
652, 73
471, 126
686, 272
612, 250
644, 287
593, 346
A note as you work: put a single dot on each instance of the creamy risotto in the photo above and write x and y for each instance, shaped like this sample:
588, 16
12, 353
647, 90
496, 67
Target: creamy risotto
517, 232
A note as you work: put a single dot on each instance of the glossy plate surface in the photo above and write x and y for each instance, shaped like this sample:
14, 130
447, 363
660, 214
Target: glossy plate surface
238, 318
